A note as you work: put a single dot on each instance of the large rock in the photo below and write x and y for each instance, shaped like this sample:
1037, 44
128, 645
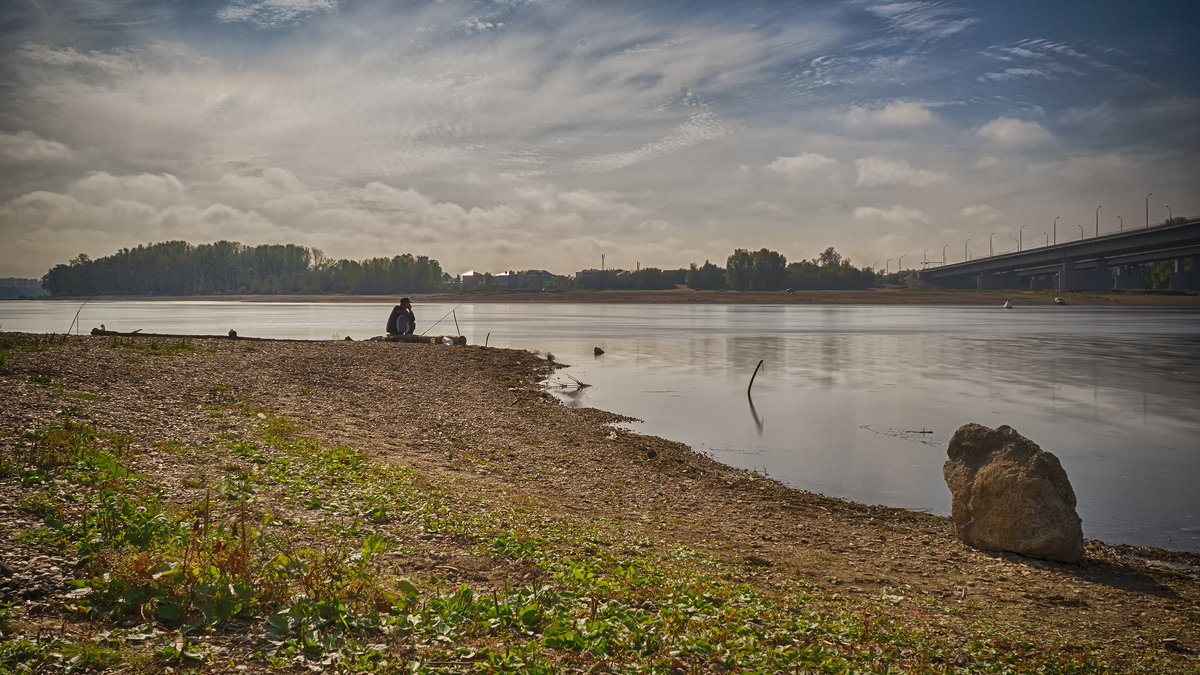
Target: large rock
1010, 495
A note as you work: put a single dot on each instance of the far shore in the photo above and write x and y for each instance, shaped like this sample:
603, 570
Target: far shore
878, 296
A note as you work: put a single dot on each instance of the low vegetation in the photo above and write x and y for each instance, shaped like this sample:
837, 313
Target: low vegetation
274, 549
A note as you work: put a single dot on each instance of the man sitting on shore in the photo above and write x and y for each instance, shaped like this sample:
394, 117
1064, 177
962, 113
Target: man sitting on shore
402, 321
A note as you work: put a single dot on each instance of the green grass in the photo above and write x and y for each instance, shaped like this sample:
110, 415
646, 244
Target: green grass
324, 594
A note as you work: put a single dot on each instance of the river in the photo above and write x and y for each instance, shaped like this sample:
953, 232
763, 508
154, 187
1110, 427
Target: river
852, 401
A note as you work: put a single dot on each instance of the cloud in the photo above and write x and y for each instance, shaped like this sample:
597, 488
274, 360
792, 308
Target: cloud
700, 127
1016, 74
1014, 132
980, 212
897, 215
266, 13
1084, 170
932, 19
896, 114
802, 164
28, 147
877, 171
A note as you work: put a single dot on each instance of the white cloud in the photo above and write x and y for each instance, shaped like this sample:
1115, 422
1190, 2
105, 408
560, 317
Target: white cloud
101, 187
896, 215
877, 171
700, 127
896, 114
26, 146
266, 13
1012, 131
933, 19
1016, 74
802, 164
1087, 169
980, 212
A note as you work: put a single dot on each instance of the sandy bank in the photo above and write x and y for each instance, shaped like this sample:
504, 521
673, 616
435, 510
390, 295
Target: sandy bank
476, 418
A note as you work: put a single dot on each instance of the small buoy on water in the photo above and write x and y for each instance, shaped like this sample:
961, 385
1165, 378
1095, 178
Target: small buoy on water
597, 351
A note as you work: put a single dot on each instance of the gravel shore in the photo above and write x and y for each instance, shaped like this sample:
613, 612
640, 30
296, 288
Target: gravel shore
476, 418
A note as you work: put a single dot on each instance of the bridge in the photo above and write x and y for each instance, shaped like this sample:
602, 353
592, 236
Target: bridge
1107, 262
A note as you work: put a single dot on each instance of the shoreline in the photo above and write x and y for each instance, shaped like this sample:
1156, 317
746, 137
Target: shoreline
888, 296
504, 442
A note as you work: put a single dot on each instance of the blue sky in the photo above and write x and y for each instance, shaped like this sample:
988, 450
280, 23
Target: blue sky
544, 133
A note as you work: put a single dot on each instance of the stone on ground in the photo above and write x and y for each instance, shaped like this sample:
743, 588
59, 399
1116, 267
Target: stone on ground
1010, 495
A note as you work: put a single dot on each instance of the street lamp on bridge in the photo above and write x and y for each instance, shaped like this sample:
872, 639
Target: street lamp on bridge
1122, 223
1148, 209
965, 249
1047, 238
944, 254
1098, 219
1170, 215
900, 264
1021, 238
1056, 228
991, 252
887, 265
1080, 231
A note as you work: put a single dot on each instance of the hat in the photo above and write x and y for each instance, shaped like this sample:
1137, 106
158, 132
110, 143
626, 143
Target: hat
404, 300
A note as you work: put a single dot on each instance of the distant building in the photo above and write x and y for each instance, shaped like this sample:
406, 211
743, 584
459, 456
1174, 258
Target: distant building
471, 278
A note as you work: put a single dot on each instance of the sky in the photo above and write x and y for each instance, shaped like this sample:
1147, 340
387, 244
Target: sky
545, 134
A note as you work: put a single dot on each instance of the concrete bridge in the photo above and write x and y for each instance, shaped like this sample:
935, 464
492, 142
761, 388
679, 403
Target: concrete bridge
1111, 261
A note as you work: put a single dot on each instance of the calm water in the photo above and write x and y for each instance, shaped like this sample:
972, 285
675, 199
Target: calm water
844, 391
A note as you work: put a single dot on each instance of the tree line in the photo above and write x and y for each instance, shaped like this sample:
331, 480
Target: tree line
766, 270
226, 267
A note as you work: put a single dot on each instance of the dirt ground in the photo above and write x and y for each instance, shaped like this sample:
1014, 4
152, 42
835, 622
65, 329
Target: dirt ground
477, 417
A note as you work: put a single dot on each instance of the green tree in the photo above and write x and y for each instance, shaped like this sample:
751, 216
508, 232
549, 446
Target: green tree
762, 270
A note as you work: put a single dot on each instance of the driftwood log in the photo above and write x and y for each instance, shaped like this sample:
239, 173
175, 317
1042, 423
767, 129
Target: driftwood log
420, 339
424, 339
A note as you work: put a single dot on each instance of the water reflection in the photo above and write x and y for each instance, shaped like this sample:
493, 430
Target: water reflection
1114, 392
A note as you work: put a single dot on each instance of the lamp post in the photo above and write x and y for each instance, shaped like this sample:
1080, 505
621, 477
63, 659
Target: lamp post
991, 252
925, 259
1047, 238
944, 254
887, 266
1098, 219
1121, 221
1056, 228
1170, 215
965, 249
900, 264
1020, 238
1080, 231
1148, 209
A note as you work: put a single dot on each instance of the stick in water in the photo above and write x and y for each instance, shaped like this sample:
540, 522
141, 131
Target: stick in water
753, 376
457, 330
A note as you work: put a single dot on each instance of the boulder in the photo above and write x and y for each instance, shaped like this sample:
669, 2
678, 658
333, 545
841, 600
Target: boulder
1010, 495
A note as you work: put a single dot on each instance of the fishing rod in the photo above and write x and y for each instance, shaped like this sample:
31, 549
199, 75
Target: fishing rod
443, 318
